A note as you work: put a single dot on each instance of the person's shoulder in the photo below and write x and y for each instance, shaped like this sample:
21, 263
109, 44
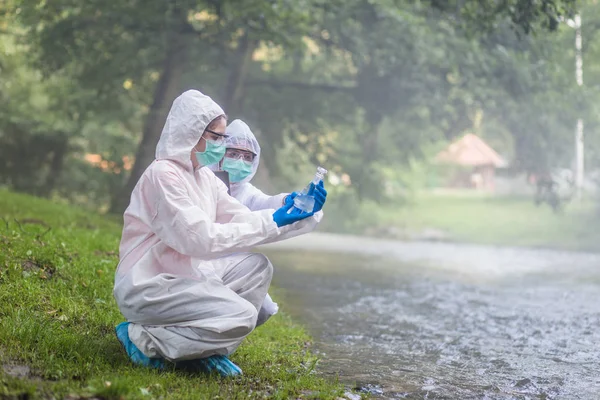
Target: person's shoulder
206, 171
243, 189
159, 166
253, 190
247, 186
207, 175
160, 170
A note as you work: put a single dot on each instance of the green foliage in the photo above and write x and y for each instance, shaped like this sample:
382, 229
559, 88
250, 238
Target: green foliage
524, 15
58, 315
350, 84
48, 125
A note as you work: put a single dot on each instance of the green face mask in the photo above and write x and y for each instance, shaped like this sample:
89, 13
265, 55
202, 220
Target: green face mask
213, 154
238, 169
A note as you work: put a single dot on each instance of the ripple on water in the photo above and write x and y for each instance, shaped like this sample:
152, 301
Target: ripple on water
422, 334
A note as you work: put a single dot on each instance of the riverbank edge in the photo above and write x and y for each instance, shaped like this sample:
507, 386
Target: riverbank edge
58, 316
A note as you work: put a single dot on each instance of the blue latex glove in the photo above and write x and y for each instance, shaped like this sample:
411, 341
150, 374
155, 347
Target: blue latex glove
282, 218
320, 195
290, 196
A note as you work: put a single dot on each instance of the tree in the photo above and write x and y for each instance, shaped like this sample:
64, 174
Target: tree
47, 126
110, 43
394, 58
374, 72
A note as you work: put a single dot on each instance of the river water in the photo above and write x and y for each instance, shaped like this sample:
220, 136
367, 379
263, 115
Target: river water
446, 321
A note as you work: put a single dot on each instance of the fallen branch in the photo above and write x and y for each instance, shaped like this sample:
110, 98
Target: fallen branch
40, 236
20, 226
32, 221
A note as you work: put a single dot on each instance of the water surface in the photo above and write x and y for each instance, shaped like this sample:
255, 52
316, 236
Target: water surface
447, 321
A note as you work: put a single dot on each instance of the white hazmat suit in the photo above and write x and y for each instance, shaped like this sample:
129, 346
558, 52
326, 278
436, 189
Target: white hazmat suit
181, 281
240, 136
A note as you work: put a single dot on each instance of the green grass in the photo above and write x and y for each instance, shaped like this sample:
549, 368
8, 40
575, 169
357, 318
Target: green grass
57, 318
500, 221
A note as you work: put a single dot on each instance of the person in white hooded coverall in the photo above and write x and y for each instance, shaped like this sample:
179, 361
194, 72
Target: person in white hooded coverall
183, 284
241, 160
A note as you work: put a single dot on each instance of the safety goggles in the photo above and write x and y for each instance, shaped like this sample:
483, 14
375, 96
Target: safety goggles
219, 139
240, 154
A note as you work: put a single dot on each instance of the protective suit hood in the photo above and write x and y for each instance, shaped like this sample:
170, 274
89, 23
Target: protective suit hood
189, 116
241, 137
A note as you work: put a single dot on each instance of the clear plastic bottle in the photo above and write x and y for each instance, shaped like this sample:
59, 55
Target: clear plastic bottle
305, 200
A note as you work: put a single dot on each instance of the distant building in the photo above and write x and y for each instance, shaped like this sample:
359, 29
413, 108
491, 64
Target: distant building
476, 163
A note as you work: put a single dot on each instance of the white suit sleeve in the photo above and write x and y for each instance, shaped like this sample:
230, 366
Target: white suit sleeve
301, 227
189, 230
255, 199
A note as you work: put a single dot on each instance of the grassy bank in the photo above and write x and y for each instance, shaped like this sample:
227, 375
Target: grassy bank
497, 221
58, 315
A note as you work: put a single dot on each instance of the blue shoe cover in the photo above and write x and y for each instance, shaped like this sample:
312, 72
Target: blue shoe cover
220, 364
135, 355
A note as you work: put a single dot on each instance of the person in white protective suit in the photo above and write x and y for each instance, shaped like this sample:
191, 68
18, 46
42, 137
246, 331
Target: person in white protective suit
241, 160
189, 292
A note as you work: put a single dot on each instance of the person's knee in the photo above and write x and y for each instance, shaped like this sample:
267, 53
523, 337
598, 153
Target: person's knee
263, 264
246, 317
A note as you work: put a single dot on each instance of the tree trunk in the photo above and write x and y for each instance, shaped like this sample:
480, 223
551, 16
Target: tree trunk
234, 93
59, 151
167, 89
